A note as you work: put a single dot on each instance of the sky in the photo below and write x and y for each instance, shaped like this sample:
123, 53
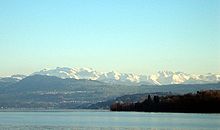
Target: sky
131, 36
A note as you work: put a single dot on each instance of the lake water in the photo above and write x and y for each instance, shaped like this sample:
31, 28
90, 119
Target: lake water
105, 120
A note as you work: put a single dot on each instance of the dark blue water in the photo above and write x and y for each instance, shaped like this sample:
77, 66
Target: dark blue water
104, 120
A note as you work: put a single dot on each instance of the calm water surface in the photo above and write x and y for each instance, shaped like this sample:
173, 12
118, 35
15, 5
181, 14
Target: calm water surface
93, 120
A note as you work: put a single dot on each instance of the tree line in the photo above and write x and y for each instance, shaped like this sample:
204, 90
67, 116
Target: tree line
201, 102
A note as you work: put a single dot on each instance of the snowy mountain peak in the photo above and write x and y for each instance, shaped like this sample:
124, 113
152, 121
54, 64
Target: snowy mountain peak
160, 78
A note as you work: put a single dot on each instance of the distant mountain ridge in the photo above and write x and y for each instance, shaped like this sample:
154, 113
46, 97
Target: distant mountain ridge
42, 91
160, 78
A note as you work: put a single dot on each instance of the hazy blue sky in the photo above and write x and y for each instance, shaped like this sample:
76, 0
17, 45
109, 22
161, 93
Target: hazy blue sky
139, 36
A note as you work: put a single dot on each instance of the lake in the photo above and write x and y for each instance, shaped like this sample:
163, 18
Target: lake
105, 120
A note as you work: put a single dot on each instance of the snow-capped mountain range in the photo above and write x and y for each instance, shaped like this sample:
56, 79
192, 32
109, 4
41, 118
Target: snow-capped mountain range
160, 78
